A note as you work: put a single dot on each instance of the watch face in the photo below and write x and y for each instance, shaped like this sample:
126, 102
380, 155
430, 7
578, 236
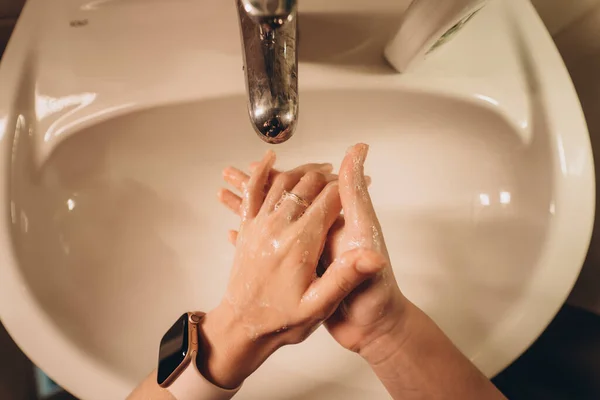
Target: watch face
173, 349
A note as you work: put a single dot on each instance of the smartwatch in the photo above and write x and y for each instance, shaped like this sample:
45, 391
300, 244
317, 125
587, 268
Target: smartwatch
179, 353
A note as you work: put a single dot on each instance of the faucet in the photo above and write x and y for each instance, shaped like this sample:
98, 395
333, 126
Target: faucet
269, 31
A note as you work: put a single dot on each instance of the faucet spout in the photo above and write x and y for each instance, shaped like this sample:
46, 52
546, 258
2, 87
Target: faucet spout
269, 36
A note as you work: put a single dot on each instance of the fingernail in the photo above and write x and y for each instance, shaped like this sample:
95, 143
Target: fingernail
228, 171
269, 158
269, 155
370, 264
327, 167
331, 177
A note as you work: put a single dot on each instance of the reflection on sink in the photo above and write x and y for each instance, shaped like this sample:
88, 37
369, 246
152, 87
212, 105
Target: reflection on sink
124, 213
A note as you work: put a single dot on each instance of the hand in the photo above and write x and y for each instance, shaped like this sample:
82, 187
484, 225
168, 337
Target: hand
239, 180
274, 297
377, 306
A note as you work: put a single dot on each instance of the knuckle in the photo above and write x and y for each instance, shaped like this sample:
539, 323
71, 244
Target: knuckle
330, 189
302, 334
283, 179
288, 179
295, 339
333, 185
314, 176
343, 283
306, 319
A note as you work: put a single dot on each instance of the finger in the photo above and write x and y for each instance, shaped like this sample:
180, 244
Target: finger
230, 200
253, 166
341, 278
355, 197
232, 237
236, 178
274, 173
306, 190
254, 191
234, 202
323, 212
286, 181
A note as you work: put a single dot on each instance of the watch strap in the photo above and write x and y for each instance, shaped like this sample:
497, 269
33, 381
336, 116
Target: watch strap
192, 385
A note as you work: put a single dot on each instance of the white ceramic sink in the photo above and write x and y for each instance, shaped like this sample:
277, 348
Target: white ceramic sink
113, 142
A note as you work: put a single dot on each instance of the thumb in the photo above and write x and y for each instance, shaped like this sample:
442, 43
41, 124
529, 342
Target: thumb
341, 278
354, 192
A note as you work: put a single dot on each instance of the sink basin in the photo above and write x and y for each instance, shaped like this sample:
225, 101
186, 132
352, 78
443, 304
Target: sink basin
480, 159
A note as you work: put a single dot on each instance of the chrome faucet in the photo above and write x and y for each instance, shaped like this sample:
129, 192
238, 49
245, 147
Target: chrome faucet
269, 31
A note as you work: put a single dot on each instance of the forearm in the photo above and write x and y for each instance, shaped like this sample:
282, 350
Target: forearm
416, 360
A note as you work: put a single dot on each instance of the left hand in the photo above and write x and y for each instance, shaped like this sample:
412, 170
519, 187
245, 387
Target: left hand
274, 297
378, 304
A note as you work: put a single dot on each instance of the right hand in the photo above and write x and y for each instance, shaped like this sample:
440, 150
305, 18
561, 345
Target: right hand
377, 307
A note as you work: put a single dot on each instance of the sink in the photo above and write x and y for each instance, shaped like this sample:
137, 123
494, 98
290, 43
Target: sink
481, 165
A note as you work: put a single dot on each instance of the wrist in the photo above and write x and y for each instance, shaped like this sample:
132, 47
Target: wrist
228, 355
391, 340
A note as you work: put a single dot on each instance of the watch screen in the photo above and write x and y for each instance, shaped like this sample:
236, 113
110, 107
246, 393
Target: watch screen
173, 349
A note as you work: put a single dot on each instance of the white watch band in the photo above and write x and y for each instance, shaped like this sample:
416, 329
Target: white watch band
192, 385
